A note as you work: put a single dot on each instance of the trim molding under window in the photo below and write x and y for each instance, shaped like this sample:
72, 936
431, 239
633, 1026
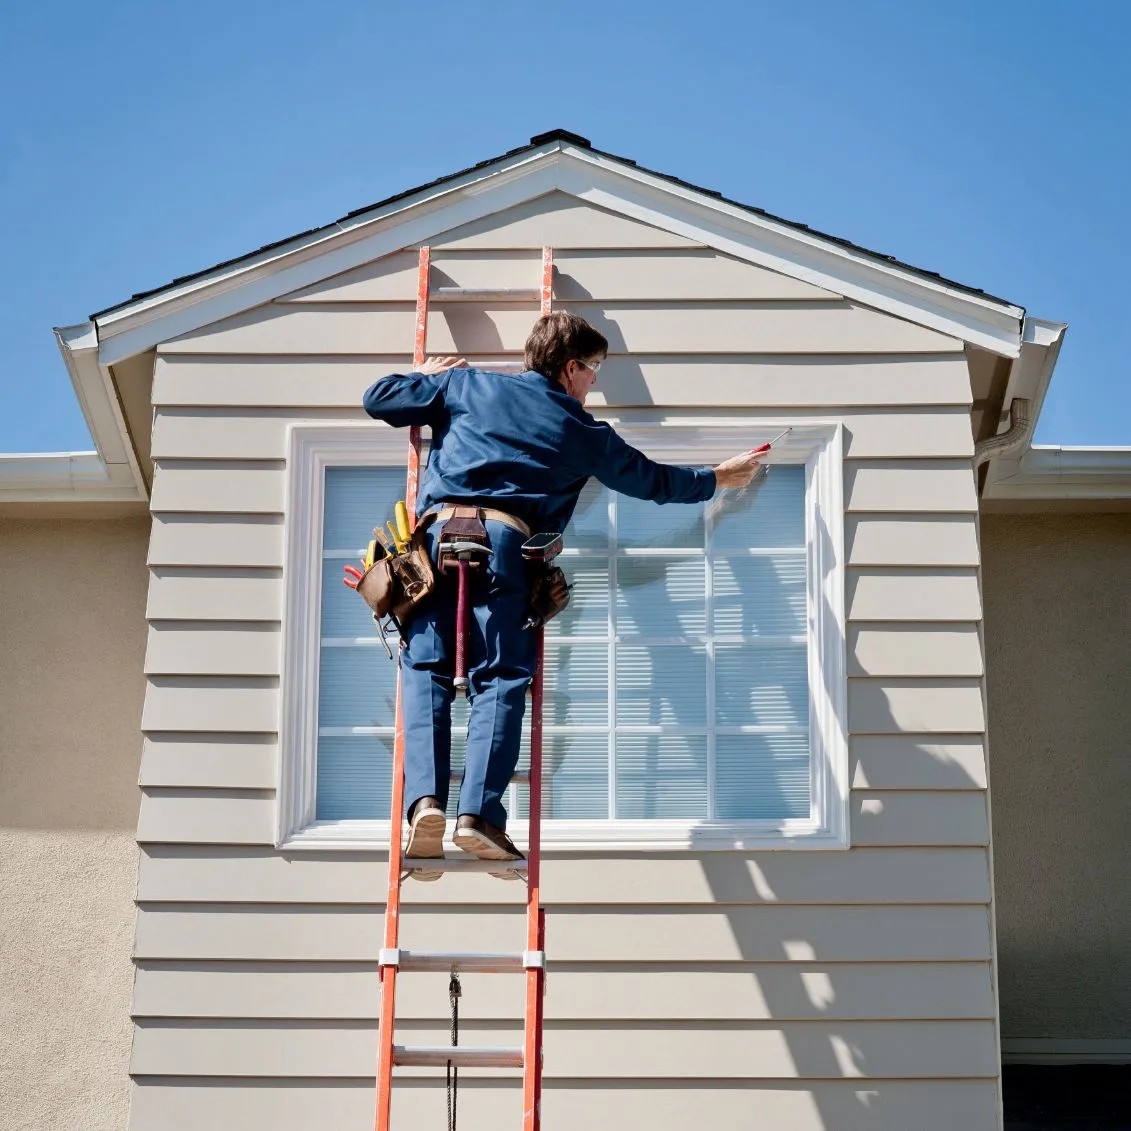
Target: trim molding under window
818, 445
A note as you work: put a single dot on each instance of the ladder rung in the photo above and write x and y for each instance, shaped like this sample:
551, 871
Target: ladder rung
471, 963
426, 1056
487, 294
460, 864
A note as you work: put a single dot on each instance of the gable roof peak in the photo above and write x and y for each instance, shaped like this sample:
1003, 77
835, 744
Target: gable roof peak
561, 135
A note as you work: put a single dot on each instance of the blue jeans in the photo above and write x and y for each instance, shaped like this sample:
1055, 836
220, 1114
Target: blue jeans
500, 665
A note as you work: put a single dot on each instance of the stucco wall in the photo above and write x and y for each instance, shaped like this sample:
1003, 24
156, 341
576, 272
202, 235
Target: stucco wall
1058, 650
72, 623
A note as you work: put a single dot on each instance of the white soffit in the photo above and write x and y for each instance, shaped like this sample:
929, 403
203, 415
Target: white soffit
591, 177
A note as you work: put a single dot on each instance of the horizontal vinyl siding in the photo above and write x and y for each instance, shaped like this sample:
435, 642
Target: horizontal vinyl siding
297, 933
700, 1050
216, 875
799, 990
187, 380
820, 1105
333, 329
662, 275
578, 992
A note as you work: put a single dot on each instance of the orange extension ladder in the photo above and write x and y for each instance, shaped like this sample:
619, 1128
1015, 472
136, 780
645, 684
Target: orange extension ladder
531, 961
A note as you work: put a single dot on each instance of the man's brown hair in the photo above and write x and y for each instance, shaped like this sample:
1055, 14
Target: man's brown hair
558, 337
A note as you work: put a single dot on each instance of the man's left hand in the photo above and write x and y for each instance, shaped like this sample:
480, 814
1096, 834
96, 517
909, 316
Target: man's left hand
436, 365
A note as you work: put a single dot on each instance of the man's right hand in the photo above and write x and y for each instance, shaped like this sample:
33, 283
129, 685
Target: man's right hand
740, 469
436, 365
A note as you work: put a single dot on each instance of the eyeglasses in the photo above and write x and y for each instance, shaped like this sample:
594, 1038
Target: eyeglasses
593, 366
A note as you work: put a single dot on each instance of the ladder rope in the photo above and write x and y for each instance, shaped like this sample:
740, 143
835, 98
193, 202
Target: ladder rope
454, 993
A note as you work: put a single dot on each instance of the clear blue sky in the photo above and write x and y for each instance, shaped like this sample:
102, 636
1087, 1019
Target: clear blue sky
990, 141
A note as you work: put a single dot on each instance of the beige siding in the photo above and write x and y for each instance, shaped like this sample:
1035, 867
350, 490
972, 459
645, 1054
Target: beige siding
814, 327
820, 1105
185, 380
181, 873
215, 594
556, 220
666, 275
911, 594
746, 992
220, 817
732, 987
870, 1050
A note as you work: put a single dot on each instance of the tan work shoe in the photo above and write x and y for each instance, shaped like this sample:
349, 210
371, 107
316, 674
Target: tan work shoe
475, 835
426, 836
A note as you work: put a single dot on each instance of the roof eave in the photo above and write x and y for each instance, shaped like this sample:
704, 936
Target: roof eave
60, 477
1047, 472
590, 175
94, 387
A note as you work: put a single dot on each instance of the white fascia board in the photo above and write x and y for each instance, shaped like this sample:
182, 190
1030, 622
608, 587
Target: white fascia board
1049, 472
599, 180
139, 326
989, 323
54, 477
100, 407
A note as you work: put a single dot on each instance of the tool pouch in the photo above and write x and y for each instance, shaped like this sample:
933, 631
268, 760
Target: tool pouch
549, 594
395, 585
465, 526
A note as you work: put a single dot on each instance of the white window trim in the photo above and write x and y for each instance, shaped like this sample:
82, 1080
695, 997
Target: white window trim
816, 444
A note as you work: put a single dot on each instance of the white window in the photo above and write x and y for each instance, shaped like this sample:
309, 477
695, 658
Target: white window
695, 687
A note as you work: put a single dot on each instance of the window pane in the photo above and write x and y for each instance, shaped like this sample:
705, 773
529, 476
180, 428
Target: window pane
357, 686
661, 776
589, 527
358, 499
759, 596
644, 524
769, 513
355, 777
575, 785
761, 776
761, 686
663, 683
658, 596
588, 611
576, 684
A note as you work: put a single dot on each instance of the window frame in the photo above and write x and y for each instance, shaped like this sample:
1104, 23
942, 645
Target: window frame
817, 444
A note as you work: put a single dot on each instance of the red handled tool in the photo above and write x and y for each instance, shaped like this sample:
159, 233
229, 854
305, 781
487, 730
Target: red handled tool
762, 449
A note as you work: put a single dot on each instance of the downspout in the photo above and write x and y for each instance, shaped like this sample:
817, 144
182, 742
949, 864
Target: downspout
1017, 436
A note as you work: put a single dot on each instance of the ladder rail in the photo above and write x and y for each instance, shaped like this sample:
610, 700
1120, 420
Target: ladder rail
535, 916
385, 1055
529, 1056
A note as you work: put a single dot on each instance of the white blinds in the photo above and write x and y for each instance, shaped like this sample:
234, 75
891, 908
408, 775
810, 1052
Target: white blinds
676, 681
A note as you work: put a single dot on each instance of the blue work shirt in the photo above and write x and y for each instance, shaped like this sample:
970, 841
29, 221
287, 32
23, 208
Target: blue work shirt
521, 443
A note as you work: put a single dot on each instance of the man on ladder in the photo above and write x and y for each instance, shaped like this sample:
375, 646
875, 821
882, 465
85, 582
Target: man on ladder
520, 447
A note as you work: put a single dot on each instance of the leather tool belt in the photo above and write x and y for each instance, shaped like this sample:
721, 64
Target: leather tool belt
395, 585
447, 511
